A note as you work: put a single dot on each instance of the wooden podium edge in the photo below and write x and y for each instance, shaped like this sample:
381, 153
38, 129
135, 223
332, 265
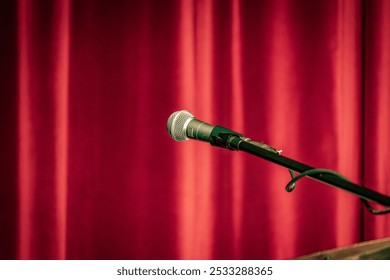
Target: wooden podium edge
368, 250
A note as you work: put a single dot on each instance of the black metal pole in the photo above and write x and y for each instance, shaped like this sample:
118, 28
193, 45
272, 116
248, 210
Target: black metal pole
235, 142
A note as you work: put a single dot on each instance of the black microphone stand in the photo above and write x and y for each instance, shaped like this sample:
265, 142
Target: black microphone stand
231, 140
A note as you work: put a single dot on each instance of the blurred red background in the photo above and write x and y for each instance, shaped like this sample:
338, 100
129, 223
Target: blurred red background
88, 171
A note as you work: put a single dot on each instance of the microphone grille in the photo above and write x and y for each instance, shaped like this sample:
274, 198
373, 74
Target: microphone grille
176, 125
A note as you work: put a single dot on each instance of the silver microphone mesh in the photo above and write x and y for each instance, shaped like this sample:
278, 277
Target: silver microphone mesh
177, 123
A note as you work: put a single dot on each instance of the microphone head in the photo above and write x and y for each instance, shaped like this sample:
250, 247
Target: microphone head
177, 124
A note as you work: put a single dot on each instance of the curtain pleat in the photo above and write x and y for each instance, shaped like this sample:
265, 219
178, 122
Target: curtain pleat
376, 109
42, 129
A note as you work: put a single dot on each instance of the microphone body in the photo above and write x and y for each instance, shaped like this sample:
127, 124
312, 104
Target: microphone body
199, 130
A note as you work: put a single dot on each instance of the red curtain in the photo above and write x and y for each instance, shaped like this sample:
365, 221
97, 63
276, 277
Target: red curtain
88, 171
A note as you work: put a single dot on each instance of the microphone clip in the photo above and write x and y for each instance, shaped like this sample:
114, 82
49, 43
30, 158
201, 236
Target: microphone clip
224, 138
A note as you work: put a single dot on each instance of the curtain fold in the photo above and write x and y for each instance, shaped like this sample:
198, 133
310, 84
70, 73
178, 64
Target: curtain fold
8, 130
376, 109
42, 128
88, 171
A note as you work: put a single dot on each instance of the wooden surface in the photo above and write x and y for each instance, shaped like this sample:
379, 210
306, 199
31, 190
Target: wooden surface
369, 250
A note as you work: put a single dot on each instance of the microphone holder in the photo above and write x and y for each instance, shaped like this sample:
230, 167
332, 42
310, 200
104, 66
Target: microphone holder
231, 140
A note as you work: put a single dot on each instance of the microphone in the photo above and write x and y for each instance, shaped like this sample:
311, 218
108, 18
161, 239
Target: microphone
182, 126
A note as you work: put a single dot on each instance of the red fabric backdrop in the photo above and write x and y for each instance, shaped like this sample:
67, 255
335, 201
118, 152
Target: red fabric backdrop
87, 170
